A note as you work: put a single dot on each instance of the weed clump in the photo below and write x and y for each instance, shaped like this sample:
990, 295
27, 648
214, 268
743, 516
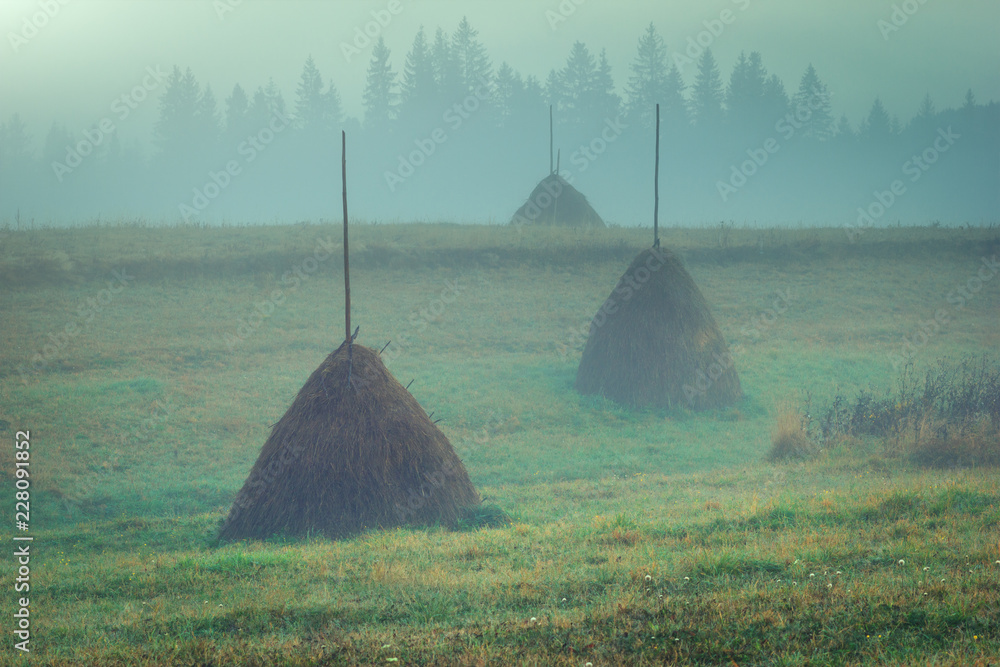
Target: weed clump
950, 417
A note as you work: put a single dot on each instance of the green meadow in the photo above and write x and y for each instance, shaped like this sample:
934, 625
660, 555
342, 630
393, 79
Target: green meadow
149, 363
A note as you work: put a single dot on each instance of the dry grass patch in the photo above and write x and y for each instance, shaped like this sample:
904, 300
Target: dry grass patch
789, 439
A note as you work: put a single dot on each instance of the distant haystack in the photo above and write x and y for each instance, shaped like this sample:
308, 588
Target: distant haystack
655, 343
555, 202
354, 451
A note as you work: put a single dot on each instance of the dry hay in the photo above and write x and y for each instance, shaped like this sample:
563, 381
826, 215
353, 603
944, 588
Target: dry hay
655, 343
555, 202
350, 454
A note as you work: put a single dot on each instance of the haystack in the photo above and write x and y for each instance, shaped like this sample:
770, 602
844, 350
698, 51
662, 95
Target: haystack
655, 343
354, 451
555, 202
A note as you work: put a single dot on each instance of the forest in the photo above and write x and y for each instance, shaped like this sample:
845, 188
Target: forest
444, 124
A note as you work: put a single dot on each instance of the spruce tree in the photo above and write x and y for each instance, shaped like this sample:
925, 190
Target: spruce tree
812, 103
648, 81
380, 94
707, 93
310, 105
473, 63
418, 91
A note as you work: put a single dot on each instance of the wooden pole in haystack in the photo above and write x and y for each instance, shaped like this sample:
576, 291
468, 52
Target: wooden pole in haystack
656, 185
347, 266
550, 139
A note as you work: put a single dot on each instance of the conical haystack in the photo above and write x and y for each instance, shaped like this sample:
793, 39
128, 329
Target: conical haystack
655, 343
355, 450
555, 202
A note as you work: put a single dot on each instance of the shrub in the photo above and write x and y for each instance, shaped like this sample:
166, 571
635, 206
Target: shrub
950, 418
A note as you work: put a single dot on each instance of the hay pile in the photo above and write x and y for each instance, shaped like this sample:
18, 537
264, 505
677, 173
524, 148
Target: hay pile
655, 343
555, 202
346, 457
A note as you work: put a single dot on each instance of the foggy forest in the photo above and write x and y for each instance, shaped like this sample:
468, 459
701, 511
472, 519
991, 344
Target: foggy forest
450, 134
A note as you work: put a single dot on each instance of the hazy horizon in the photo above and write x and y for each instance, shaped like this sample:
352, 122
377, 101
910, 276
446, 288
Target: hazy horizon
67, 62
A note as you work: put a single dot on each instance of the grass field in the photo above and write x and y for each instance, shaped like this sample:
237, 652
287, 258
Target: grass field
149, 363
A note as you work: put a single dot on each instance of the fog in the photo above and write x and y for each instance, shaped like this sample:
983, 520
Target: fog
779, 113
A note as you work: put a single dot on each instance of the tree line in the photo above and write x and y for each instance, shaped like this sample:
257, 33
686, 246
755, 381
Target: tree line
446, 122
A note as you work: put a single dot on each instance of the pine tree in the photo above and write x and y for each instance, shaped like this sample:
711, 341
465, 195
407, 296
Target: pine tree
15, 142
576, 82
447, 76
177, 128
970, 102
812, 107
606, 102
17, 164
926, 116
54, 150
419, 89
237, 111
926, 110
673, 107
648, 80
707, 95
470, 55
310, 105
745, 94
207, 118
775, 104
877, 126
529, 103
333, 109
507, 86
380, 88
845, 133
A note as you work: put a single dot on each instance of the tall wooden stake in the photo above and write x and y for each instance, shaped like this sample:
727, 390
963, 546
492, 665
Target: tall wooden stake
347, 266
550, 139
656, 185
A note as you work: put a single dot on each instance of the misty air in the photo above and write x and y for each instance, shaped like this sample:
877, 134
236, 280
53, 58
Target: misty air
560, 332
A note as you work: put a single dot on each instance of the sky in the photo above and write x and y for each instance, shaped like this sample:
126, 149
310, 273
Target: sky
69, 60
